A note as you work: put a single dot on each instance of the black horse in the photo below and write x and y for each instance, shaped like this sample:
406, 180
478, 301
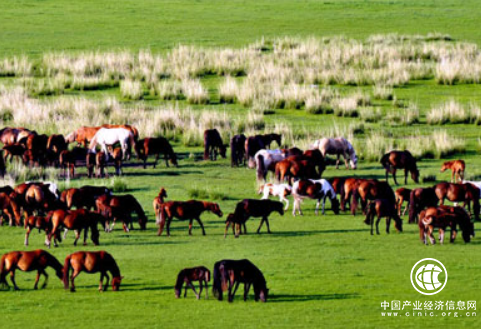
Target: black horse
237, 155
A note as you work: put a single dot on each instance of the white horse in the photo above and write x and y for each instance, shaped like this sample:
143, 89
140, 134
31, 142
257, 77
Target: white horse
325, 191
337, 146
280, 190
105, 137
266, 160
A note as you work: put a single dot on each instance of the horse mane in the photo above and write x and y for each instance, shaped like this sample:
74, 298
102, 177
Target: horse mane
55, 264
180, 281
114, 267
260, 166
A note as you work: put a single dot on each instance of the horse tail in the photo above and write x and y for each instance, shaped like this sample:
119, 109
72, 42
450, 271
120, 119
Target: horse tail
278, 173
3, 275
354, 200
412, 207
218, 283
207, 275
385, 161
261, 168
371, 210
66, 270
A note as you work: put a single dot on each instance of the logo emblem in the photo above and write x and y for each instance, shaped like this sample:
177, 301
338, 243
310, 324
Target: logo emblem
429, 276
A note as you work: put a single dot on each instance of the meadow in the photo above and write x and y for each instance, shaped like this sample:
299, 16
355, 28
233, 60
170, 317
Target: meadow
306, 70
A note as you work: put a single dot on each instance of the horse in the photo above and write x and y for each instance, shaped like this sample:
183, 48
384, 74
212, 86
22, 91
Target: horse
68, 159
37, 198
237, 150
267, 139
83, 197
266, 160
280, 190
253, 144
400, 160
117, 159
248, 208
457, 167
40, 223
314, 189
3, 168
55, 145
13, 135
185, 210
466, 193
309, 165
26, 261
187, 275
36, 146
90, 164
213, 144
14, 150
402, 194
419, 199
101, 164
104, 137
10, 208
92, 262
130, 128
155, 146
382, 208
82, 135
158, 200
371, 189
337, 184
338, 146
128, 204
230, 273
442, 217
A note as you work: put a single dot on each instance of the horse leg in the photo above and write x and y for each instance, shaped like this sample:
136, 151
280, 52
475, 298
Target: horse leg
44, 285
35, 287
235, 289
101, 288
201, 225
406, 207
247, 286
185, 290
190, 226
454, 232
345, 160
441, 236
377, 224
85, 236
65, 233
324, 205
453, 176
317, 207
267, 223
262, 222
12, 278
156, 159
430, 235
107, 281
227, 227
166, 160
201, 287
337, 162
394, 176
388, 224
193, 288
229, 293
405, 176
77, 236
27, 234
169, 220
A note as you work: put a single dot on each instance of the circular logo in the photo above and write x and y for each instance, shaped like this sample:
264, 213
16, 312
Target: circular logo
429, 276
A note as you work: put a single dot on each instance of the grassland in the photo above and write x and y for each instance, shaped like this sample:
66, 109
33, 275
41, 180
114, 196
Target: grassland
323, 271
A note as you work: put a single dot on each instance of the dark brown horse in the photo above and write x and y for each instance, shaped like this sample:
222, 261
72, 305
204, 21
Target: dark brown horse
402, 194
382, 208
467, 193
92, 262
26, 261
55, 145
419, 199
10, 209
267, 139
400, 160
69, 158
458, 167
185, 210
90, 164
3, 168
155, 146
83, 197
371, 189
228, 274
14, 150
187, 276
237, 150
128, 204
213, 145
248, 208
442, 217
337, 184
77, 220
253, 144
117, 158
101, 164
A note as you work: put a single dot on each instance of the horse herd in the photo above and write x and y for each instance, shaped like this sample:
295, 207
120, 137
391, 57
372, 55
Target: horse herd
298, 174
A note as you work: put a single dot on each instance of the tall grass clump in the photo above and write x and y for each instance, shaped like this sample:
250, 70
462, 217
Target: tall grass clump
449, 112
383, 92
228, 90
131, 89
194, 92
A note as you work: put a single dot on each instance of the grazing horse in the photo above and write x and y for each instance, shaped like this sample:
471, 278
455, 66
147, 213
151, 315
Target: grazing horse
248, 208
280, 190
266, 161
82, 136
127, 204
419, 199
400, 160
10, 208
105, 137
253, 144
158, 201
228, 274
338, 146
457, 167
466, 193
155, 146
187, 276
237, 150
442, 217
382, 208
371, 189
269, 138
213, 144
13, 150
37, 149
185, 210
13, 135
314, 189
402, 194
26, 261
92, 262
55, 145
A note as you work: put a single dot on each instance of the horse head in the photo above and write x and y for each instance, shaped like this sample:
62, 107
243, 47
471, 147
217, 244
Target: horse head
222, 150
335, 205
214, 207
162, 193
116, 283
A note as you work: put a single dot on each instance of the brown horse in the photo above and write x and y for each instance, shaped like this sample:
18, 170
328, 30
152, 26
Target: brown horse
228, 274
442, 217
402, 194
466, 193
457, 167
308, 165
82, 135
10, 209
37, 145
3, 168
128, 204
117, 158
187, 276
185, 210
92, 262
90, 163
237, 150
83, 197
253, 144
13, 135
68, 159
351, 184
26, 261
101, 164
314, 189
42, 224
77, 220
400, 160
155, 146
213, 145
55, 145
13, 150
158, 200
248, 208
371, 189
419, 199
382, 208
337, 184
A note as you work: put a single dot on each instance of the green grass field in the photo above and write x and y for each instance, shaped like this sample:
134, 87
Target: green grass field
323, 271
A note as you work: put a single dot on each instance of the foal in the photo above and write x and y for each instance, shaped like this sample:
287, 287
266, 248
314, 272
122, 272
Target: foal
402, 194
382, 208
457, 167
187, 275
280, 190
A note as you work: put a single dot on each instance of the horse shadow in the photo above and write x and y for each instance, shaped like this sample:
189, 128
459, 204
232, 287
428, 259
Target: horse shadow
274, 298
142, 287
315, 232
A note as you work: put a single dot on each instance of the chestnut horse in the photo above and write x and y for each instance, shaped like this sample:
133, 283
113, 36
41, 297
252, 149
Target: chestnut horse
466, 193
101, 164
248, 208
77, 220
117, 156
382, 208
92, 262
185, 210
68, 159
83, 197
10, 208
187, 276
400, 160
314, 189
308, 165
40, 223
26, 261
228, 274
237, 150
82, 135
457, 167
90, 164
155, 146
442, 217
371, 189
213, 145
128, 204
419, 199
158, 200
402, 194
